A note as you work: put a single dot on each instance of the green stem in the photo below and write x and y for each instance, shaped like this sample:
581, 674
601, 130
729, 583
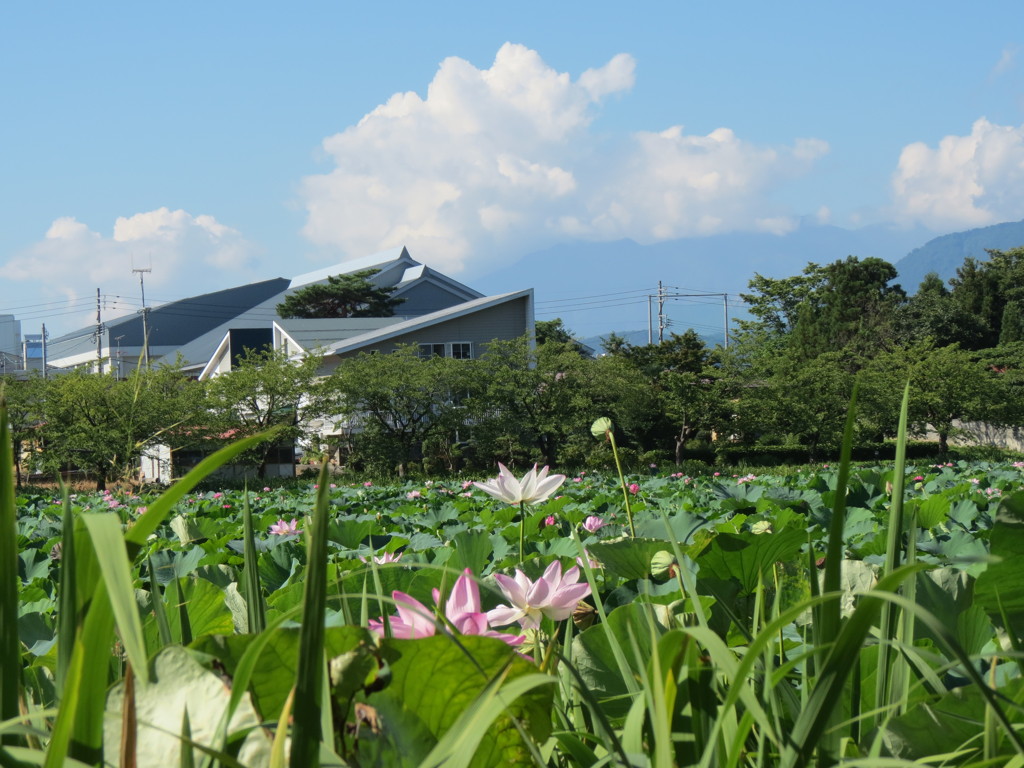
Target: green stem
622, 482
522, 529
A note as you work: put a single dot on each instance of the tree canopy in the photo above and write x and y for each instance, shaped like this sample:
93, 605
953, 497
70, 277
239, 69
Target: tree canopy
348, 295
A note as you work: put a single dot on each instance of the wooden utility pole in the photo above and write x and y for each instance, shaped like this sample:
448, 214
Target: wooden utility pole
145, 315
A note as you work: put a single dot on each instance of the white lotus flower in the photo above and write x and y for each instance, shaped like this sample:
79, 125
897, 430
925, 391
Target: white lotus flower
534, 488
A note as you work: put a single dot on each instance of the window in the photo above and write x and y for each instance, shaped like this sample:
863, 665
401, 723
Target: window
457, 350
428, 351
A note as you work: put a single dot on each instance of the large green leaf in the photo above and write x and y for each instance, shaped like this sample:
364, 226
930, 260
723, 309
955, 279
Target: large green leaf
180, 684
952, 722
274, 675
208, 614
433, 682
593, 653
747, 557
1002, 583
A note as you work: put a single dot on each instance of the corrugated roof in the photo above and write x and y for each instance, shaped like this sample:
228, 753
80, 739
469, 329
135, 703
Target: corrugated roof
314, 333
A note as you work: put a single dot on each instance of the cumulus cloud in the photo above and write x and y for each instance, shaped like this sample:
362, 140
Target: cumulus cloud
966, 181
492, 162
188, 254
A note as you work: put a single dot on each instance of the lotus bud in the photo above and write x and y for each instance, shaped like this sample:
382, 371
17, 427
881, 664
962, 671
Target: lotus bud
663, 565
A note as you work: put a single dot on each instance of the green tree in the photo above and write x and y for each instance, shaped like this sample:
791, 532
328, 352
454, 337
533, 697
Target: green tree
804, 400
395, 403
982, 290
531, 403
268, 389
854, 307
676, 372
25, 400
932, 313
347, 295
1011, 328
948, 387
102, 425
851, 303
552, 330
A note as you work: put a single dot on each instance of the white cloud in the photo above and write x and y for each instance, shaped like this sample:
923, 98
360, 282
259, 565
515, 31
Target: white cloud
966, 181
188, 254
493, 162
1006, 59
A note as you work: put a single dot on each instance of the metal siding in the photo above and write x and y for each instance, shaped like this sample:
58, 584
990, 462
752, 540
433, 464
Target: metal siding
506, 321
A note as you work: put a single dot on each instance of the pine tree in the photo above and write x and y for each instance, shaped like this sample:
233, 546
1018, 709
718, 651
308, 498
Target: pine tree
349, 295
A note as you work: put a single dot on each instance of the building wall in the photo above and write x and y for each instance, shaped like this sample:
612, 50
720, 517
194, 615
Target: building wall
503, 322
424, 298
10, 335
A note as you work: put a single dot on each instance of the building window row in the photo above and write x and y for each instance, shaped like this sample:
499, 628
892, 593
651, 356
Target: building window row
458, 350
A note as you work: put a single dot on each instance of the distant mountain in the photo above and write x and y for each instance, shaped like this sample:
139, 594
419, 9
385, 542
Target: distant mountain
597, 288
944, 254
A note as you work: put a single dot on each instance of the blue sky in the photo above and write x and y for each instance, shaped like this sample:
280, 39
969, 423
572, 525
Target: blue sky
227, 142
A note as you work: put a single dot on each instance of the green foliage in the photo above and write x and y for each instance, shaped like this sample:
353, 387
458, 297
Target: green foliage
348, 295
102, 425
264, 390
395, 403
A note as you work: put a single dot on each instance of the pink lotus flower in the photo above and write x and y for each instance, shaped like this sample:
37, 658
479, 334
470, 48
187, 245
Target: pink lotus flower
284, 528
387, 557
634, 488
534, 488
593, 524
414, 620
413, 495
552, 595
549, 520
462, 609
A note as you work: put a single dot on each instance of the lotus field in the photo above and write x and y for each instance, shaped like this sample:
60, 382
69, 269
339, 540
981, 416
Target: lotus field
836, 615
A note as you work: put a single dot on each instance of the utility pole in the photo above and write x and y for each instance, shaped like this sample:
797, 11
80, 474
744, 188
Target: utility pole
44, 351
650, 322
99, 335
725, 303
145, 315
661, 313
661, 320
118, 340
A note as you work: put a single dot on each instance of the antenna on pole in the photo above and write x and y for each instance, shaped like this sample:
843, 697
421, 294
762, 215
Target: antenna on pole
99, 335
145, 313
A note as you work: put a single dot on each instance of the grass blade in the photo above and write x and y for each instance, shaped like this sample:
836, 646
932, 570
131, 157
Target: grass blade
253, 591
888, 691
817, 719
67, 612
828, 630
105, 531
186, 757
10, 656
156, 599
306, 728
